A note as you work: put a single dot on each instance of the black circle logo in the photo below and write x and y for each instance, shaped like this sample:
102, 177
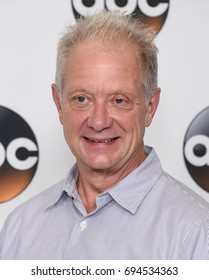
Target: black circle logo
18, 154
151, 12
196, 149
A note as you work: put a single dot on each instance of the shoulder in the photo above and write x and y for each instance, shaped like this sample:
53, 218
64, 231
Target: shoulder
185, 214
182, 199
25, 217
36, 205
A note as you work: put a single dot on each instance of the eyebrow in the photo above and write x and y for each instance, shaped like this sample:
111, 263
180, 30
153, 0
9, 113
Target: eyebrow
119, 92
78, 90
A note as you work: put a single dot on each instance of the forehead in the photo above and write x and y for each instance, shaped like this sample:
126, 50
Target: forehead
95, 54
101, 71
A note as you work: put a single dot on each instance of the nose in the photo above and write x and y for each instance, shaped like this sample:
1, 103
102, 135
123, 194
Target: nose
100, 118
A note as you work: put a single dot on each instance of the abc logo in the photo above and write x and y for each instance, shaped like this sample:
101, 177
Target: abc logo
151, 12
196, 149
18, 154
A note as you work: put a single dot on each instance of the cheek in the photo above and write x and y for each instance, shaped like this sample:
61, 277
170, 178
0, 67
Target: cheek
134, 121
137, 128
72, 123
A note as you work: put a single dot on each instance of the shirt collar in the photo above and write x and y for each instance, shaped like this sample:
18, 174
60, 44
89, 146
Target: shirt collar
128, 193
70, 182
131, 191
65, 187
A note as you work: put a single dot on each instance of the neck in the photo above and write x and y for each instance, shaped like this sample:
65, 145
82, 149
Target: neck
93, 182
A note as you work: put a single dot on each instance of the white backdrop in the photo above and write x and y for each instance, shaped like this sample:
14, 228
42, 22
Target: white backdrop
29, 31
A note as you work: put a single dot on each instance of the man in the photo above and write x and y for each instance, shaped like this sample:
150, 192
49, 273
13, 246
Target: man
116, 202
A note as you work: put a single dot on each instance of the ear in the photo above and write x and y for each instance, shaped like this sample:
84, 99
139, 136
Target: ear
152, 106
56, 98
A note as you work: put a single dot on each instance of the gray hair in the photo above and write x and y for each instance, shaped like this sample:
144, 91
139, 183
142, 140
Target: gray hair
116, 29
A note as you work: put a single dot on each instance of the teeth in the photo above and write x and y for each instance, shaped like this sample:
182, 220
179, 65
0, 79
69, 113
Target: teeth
100, 141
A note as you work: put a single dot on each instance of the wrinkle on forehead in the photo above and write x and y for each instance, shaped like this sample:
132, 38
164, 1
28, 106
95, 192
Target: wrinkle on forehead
92, 47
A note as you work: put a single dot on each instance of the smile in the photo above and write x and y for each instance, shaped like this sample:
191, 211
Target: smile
101, 140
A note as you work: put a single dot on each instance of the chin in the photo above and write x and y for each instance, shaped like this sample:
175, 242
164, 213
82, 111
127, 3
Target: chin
100, 165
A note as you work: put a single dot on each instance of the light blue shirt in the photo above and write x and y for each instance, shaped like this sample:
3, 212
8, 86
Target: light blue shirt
147, 215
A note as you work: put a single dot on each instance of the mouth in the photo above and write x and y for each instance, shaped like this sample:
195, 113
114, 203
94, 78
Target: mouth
109, 140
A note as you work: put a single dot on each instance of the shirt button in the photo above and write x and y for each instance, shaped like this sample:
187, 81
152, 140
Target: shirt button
83, 225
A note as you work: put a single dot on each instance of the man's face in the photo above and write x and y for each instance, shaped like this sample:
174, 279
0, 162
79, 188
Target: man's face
102, 108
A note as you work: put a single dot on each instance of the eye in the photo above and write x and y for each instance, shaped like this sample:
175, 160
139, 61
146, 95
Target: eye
119, 100
81, 99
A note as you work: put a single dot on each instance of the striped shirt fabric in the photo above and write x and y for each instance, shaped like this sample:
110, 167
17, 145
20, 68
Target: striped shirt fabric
147, 215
